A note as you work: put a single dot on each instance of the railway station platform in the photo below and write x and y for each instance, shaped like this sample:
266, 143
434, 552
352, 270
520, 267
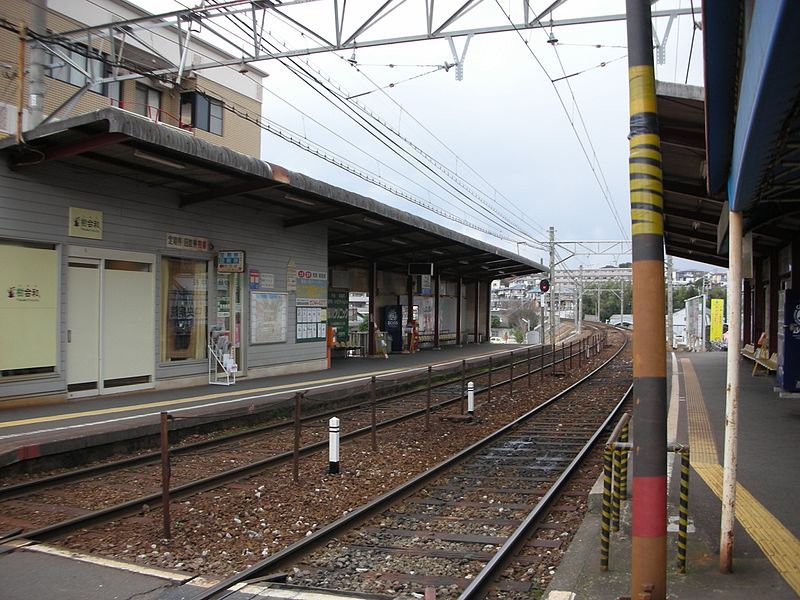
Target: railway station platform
36, 429
766, 547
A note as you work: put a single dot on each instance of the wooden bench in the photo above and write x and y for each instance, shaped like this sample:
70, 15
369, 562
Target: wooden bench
769, 364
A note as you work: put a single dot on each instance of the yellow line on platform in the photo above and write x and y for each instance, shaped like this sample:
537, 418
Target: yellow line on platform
779, 545
245, 394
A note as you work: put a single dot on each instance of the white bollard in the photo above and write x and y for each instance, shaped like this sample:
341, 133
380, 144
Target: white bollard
333, 446
470, 398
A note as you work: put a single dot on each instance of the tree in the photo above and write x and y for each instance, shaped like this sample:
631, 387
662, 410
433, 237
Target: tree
496, 322
609, 299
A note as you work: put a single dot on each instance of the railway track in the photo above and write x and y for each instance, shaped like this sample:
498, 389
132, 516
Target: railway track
55, 506
471, 525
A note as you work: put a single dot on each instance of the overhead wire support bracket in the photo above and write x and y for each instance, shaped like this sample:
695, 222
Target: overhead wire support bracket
459, 60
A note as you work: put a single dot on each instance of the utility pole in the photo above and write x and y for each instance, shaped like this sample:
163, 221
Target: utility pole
649, 518
36, 85
579, 299
552, 285
670, 308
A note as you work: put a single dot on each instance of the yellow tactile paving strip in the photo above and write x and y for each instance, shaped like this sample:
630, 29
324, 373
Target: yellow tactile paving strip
778, 544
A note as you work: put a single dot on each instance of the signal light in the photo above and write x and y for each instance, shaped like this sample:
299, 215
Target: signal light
544, 285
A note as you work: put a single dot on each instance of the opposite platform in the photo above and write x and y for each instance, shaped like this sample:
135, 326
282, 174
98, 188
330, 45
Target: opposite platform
766, 548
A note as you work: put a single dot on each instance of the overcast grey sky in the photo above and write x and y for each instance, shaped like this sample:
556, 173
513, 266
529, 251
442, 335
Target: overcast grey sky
502, 128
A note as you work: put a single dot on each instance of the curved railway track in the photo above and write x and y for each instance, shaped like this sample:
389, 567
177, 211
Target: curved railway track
52, 507
471, 525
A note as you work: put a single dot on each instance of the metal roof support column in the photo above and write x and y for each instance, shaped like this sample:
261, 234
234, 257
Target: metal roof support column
459, 297
373, 307
649, 530
477, 303
747, 312
732, 392
410, 306
796, 264
488, 309
437, 282
759, 300
772, 309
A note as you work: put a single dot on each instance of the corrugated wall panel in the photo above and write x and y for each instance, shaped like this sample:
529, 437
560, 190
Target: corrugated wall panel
34, 206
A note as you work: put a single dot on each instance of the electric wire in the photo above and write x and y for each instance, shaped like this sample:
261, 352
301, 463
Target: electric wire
80, 48
569, 118
607, 193
382, 137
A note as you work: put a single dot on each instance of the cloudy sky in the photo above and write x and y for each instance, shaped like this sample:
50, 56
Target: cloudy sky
505, 149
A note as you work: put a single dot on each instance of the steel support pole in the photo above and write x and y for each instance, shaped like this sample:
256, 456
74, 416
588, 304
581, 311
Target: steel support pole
649, 532
552, 232
732, 391
670, 309
36, 72
372, 283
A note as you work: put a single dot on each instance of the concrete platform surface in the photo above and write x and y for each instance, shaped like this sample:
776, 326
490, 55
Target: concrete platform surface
766, 547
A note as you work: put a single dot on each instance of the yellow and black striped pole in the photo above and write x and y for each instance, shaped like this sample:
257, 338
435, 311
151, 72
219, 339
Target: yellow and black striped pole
623, 465
683, 510
615, 488
649, 531
605, 519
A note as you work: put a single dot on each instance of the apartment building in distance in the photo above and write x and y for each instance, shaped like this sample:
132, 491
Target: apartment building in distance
220, 105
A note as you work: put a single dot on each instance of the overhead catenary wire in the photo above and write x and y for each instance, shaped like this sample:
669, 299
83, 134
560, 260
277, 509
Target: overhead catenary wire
316, 84
81, 49
569, 118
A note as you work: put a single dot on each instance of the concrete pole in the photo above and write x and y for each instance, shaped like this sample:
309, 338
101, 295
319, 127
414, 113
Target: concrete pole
36, 85
669, 303
732, 391
649, 518
552, 285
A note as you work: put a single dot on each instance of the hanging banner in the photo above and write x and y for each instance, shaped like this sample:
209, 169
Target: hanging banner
717, 310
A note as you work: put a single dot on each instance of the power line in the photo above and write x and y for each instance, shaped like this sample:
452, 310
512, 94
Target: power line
571, 122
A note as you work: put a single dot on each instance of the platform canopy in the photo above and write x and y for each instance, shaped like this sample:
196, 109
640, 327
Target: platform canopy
736, 143
361, 230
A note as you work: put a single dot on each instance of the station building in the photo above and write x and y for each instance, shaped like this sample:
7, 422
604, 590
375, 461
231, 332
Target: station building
130, 244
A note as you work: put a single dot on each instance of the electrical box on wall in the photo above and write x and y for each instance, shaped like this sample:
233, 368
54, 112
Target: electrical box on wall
420, 268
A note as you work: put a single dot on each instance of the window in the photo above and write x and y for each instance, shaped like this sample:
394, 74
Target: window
73, 71
184, 301
148, 102
202, 112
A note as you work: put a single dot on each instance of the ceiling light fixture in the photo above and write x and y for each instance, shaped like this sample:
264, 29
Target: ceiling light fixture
299, 200
401, 242
158, 160
439, 252
372, 221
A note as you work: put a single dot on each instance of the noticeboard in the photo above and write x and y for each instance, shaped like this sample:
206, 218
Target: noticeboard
267, 317
338, 313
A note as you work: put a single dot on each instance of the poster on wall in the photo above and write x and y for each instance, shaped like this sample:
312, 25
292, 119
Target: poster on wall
311, 288
338, 313
28, 309
311, 324
268, 311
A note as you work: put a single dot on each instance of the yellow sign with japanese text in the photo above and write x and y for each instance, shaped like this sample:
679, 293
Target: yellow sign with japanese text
85, 223
717, 310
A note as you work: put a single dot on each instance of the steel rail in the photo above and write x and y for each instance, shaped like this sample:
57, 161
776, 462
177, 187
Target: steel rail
483, 580
366, 511
153, 500
201, 485
21, 489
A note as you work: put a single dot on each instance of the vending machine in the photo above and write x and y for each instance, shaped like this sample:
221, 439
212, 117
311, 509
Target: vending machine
393, 325
789, 340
